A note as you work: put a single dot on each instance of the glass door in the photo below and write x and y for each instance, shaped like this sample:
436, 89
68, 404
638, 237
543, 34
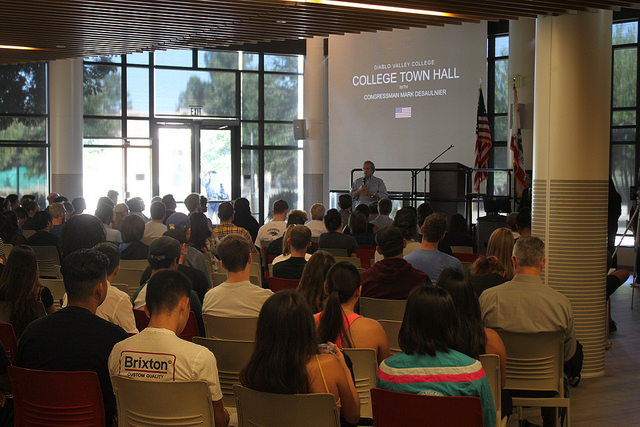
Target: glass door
175, 169
215, 168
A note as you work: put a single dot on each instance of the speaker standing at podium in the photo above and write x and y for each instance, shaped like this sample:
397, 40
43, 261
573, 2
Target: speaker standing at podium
369, 188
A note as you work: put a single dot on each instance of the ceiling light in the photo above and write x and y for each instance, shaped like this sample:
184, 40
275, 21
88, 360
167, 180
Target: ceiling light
6, 46
375, 7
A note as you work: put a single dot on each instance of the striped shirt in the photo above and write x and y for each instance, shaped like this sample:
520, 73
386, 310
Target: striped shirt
445, 374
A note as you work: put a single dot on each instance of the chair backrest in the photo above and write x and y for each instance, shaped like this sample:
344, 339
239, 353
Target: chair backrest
534, 361
388, 309
491, 366
230, 328
8, 247
337, 252
47, 257
466, 257
256, 280
391, 408
28, 233
366, 254
56, 286
162, 403
353, 260
69, 398
131, 277
218, 277
191, 328
278, 284
9, 340
392, 329
123, 287
134, 264
231, 357
462, 249
365, 367
256, 408
141, 318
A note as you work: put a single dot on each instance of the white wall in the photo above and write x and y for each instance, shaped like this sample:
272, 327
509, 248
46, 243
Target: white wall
361, 129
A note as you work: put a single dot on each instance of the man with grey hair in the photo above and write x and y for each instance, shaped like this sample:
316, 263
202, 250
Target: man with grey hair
316, 225
526, 304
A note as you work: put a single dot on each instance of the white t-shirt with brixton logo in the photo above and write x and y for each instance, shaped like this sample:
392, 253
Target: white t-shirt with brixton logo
157, 354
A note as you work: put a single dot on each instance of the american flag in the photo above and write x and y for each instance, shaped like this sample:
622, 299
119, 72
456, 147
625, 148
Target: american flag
403, 112
483, 144
516, 147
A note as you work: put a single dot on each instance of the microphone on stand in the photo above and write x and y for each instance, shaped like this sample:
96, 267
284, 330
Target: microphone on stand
364, 180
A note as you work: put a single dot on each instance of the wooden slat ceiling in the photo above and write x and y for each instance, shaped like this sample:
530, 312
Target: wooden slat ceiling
79, 28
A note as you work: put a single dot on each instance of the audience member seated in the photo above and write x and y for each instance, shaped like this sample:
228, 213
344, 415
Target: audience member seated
57, 212
277, 226
526, 304
311, 285
523, 222
136, 207
422, 212
345, 203
486, 272
406, 221
276, 246
113, 196
200, 236
316, 225
334, 238
21, 217
10, 232
170, 206
339, 323
120, 212
81, 232
30, 207
42, 223
457, 235
164, 253
192, 203
473, 338
393, 277
21, 290
167, 304
286, 358
190, 257
298, 242
132, 232
366, 212
511, 224
74, 338
359, 229
155, 228
104, 212
226, 226
428, 338
242, 217
382, 220
79, 205
116, 307
428, 258
500, 245
237, 296
286, 248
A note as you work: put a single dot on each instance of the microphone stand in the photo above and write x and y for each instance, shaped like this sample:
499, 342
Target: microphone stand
416, 172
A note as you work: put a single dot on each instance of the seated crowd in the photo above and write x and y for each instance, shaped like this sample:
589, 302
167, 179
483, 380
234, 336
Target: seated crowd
332, 261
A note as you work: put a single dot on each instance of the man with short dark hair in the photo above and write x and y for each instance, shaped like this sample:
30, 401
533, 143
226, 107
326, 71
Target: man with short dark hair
393, 277
192, 203
428, 258
345, 203
299, 241
523, 222
334, 238
174, 359
30, 207
170, 205
74, 338
42, 223
276, 227
237, 296
226, 226
113, 196
295, 217
155, 228
384, 209
136, 206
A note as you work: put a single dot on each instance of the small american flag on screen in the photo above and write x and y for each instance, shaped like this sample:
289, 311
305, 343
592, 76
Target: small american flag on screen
403, 112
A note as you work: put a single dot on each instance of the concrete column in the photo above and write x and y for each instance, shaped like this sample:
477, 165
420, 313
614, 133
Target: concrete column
571, 166
65, 105
316, 146
522, 36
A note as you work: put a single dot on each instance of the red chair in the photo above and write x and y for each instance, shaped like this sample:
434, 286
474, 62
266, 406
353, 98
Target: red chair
61, 398
9, 340
191, 328
466, 257
142, 320
277, 284
392, 409
366, 254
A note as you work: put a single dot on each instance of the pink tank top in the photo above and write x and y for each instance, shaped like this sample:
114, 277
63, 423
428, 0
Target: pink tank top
348, 320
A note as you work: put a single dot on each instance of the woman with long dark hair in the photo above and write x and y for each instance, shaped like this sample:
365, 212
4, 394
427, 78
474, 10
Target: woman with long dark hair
287, 360
21, 289
339, 323
200, 237
242, 217
311, 284
132, 233
429, 363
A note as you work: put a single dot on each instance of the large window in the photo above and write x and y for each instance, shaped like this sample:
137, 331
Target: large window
217, 123
24, 148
